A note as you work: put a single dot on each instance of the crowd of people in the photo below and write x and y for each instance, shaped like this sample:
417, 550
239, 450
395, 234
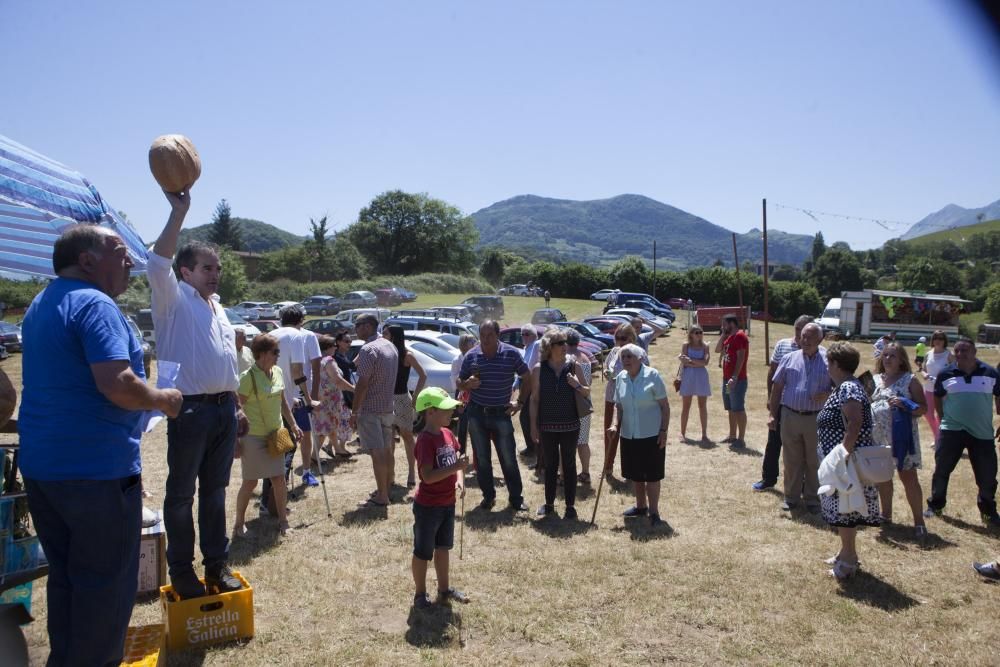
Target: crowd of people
291, 390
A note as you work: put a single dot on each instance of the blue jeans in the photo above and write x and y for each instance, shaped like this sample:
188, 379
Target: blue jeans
90, 531
482, 423
200, 446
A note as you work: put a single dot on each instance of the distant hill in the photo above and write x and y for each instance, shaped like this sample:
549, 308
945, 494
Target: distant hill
957, 234
601, 231
950, 217
257, 236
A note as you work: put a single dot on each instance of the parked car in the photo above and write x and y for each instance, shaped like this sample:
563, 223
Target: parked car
322, 304
238, 320
602, 294
492, 305
405, 294
359, 299
512, 336
382, 314
608, 324
435, 362
329, 326
144, 318
587, 330
265, 326
278, 305
623, 297
3, 352
256, 310
458, 312
10, 336
147, 349
657, 310
643, 314
515, 290
677, 303
548, 316
435, 338
439, 323
387, 297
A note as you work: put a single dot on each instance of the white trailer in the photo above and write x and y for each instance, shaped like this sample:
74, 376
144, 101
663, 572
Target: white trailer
872, 313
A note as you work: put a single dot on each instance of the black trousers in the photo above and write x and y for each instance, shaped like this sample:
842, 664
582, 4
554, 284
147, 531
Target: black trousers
772, 454
982, 456
525, 419
560, 446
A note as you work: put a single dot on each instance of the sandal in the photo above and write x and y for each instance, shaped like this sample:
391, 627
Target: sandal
283, 528
453, 594
239, 531
371, 502
422, 601
842, 570
583, 478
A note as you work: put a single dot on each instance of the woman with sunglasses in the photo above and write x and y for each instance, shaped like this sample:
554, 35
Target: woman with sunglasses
694, 359
938, 357
624, 335
642, 415
555, 423
262, 396
894, 381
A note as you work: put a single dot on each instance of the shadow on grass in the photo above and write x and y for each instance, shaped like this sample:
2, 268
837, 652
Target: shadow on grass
747, 451
975, 528
560, 528
262, 535
704, 444
868, 589
616, 485
903, 537
490, 521
640, 530
800, 514
364, 515
435, 627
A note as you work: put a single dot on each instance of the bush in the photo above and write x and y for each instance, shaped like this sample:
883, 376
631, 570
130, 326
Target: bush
19, 293
788, 300
992, 303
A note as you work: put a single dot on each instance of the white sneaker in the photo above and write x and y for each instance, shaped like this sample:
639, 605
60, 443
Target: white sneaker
149, 518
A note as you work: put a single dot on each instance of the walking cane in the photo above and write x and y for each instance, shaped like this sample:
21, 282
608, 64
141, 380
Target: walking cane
600, 485
461, 528
322, 480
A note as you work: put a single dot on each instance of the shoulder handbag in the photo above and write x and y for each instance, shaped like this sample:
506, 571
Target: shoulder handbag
584, 406
875, 464
279, 441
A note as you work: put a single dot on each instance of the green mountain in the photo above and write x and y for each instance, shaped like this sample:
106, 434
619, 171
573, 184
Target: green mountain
257, 236
958, 234
601, 231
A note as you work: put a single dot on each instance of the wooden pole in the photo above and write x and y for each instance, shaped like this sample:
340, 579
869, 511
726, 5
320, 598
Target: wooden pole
739, 285
654, 270
767, 312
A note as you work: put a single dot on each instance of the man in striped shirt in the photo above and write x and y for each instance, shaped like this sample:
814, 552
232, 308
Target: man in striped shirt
372, 407
772, 452
801, 385
488, 372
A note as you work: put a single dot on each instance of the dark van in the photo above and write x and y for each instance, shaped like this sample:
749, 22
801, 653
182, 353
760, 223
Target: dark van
492, 305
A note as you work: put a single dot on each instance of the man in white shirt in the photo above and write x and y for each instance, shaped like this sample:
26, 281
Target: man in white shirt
299, 349
192, 329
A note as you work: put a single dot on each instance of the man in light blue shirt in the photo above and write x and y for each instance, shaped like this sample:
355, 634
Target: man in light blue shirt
530, 353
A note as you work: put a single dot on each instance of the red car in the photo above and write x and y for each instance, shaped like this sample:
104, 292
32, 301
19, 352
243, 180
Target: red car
388, 297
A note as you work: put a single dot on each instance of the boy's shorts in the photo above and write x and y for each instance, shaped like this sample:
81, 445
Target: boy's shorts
433, 528
734, 400
301, 415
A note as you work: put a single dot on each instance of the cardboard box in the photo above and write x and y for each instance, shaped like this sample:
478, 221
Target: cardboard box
213, 619
145, 646
152, 561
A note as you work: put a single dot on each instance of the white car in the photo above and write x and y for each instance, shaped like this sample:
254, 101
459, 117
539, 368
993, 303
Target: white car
602, 294
237, 321
278, 305
444, 341
643, 314
349, 315
435, 362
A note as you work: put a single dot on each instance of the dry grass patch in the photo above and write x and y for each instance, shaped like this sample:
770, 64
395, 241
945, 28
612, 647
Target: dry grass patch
739, 581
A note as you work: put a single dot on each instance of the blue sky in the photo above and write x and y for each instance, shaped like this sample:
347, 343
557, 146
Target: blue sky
875, 109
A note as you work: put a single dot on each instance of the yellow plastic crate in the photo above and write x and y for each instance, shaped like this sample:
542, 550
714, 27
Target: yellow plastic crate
213, 619
145, 645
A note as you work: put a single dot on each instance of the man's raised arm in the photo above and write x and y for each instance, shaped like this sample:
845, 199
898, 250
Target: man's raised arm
166, 244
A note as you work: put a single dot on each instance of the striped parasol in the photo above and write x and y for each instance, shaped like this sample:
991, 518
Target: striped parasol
39, 199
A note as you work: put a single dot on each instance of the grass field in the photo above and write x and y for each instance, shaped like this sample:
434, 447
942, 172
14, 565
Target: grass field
738, 582
956, 234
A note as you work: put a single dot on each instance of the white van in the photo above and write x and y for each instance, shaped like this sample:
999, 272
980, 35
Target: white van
830, 319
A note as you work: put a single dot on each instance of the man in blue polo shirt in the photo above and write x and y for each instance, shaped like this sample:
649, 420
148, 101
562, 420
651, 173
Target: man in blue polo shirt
488, 373
84, 393
966, 394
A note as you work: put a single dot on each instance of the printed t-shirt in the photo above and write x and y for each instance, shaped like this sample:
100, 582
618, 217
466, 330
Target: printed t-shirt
440, 450
68, 429
732, 345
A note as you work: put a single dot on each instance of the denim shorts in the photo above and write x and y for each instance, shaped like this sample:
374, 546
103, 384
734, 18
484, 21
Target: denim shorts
734, 400
433, 528
301, 415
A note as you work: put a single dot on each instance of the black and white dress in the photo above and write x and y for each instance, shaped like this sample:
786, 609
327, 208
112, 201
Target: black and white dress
830, 433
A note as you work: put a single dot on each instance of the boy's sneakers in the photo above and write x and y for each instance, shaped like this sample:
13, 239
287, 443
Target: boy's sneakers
422, 601
308, 479
930, 513
453, 594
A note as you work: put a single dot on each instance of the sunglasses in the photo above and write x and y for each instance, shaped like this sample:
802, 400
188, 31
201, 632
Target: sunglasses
628, 356
695, 333
276, 352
